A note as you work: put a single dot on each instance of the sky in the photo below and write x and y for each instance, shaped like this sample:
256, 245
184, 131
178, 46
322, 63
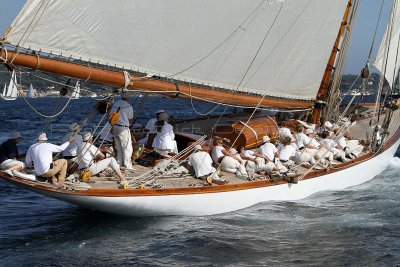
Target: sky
360, 43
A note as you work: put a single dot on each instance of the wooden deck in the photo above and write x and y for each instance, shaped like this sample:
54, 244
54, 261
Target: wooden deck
107, 180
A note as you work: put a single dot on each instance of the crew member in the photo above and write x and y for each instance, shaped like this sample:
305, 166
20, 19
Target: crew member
40, 156
121, 131
94, 160
9, 155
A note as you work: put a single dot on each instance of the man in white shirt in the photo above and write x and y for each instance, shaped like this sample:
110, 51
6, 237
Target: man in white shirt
255, 162
40, 156
164, 143
322, 152
121, 131
70, 152
333, 147
150, 128
267, 149
352, 148
94, 160
202, 164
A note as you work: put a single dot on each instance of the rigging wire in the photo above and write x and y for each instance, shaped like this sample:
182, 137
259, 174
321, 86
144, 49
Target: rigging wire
34, 109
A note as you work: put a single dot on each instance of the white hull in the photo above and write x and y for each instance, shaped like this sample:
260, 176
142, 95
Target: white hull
9, 98
221, 202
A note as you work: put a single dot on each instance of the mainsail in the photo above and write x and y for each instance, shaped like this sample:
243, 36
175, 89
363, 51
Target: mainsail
388, 59
276, 48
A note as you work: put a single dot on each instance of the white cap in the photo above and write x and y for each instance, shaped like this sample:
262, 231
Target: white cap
160, 111
309, 131
197, 147
42, 137
163, 116
86, 136
328, 125
266, 138
15, 135
74, 126
232, 151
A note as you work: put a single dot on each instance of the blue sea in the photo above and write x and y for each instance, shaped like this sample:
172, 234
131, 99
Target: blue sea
359, 226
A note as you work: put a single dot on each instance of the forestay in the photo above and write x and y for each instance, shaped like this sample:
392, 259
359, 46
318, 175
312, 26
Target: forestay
211, 42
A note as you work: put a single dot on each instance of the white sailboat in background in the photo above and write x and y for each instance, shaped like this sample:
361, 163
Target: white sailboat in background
32, 93
12, 90
4, 91
77, 91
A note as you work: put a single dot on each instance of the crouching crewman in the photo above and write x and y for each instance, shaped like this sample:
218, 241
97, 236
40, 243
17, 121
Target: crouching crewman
92, 159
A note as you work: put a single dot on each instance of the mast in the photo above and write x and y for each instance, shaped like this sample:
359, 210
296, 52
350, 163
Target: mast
116, 79
323, 91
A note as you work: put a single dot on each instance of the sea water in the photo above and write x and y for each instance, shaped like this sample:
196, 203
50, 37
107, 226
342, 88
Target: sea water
357, 226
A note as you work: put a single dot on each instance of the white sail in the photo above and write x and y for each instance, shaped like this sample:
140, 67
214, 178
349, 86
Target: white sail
388, 59
4, 91
31, 92
210, 42
12, 90
77, 91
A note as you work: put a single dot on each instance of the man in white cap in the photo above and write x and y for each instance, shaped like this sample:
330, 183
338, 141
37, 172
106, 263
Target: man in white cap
92, 159
71, 151
150, 129
40, 156
164, 143
9, 155
202, 164
121, 131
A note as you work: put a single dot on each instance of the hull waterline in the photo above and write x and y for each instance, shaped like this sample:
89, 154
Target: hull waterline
198, 204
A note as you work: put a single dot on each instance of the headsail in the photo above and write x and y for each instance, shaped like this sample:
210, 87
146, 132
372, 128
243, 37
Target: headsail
217, 43
388, 59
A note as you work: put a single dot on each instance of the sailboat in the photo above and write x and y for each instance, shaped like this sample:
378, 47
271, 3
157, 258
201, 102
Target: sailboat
77, 91
31, 92
282, 56
4, 91
12, 89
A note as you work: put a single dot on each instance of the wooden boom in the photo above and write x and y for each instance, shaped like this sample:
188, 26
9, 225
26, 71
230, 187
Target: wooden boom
116, 79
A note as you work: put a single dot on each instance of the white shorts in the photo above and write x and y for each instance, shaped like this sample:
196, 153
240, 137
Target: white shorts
8, 163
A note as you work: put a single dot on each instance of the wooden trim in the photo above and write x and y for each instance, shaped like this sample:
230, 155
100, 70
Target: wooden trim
192, 190
116, 79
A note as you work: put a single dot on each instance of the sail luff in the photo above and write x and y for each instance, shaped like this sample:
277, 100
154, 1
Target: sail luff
116, 79
325, 83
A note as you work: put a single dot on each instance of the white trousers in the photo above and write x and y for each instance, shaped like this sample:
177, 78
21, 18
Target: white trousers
229, 164
97, 167
354, 147
8, 163
123, 145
